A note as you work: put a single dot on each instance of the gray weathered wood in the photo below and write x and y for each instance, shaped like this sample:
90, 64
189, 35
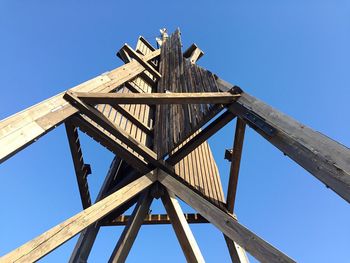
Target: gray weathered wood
56, 236
253, 244
181, 227
131, 230
326, 159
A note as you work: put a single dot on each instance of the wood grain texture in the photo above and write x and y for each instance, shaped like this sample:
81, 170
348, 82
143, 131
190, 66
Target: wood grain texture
253, 244
56, 236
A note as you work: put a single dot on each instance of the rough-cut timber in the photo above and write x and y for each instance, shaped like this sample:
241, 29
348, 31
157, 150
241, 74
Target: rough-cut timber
177, 122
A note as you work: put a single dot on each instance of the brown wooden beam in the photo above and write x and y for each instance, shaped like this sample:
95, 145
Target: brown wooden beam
100, 135
323, 157
235, 165
142, 61
56, 236
200, 137
193, 53
253, 244
23, 128
80, 168
183, 232
101, 120
157, 98
131, 230
156, 219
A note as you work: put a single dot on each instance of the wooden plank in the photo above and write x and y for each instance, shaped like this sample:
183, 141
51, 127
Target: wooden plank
131, 230
115, 146
193, 53
140, 60
156, 219
157, 98
326, 159
253, 244
181, 227
200, 137
80, 168
237, 253
101, 120
56, 236
235, 164
23, 128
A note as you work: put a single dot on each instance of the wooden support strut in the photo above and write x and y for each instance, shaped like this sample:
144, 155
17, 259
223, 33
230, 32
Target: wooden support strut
253, 244
157, 98
326, 159
56, 236
183, 232
23, 128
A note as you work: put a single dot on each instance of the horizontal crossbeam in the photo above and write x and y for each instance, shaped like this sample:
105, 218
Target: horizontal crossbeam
158, 98
156, 219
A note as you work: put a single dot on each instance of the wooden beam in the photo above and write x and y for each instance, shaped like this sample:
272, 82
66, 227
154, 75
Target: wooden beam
23, 128
253, 244
235, 164
100, 135
56, 236
101, 120
201, 137
140, 124
193, 53
157, 98
131, 230
156, 219
183, 232
237, 253
79, 166
326, 159
142, 61
87, 237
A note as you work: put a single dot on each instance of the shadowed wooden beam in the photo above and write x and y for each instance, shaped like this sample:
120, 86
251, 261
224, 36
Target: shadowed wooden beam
326, 159
183, 232
156, 219
81, 170
193, 53
141, 60
87, 237
253, 244
56, 236
157, 98
131, 230
201, 137
237, 253
23, 128
100, 135
101, 120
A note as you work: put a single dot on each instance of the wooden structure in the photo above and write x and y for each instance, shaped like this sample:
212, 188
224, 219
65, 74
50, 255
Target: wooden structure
156, 113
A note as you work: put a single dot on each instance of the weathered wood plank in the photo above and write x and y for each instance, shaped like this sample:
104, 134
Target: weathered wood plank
326, 159
256, 246
156, 219
157, 98
23, 128
193, 53
131, 230
181, 227
56, 236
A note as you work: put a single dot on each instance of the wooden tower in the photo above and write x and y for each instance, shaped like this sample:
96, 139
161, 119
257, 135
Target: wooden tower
156, 113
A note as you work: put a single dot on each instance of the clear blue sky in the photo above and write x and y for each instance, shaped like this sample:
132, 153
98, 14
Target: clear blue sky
294, 55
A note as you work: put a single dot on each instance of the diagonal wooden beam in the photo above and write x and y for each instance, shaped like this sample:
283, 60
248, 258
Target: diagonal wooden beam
141, 60
193, 53
56, 236
131, 230
23, 128
101, 120
101, 136
157, 98
183, 232
326, 159
80, 168
253, 244
201, 137
237, 253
